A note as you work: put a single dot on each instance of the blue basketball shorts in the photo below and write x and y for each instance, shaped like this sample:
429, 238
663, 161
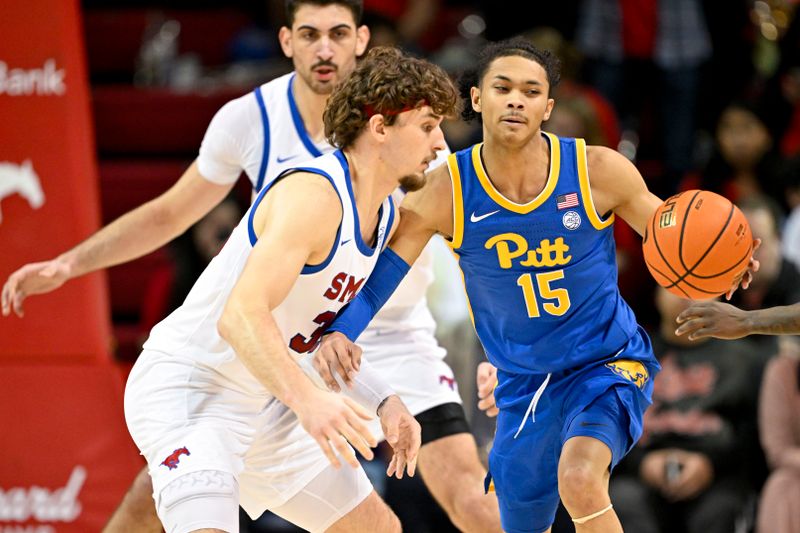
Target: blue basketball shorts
604, 400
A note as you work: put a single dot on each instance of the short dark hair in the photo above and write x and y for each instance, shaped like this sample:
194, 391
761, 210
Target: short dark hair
515, 46
355, 6
387, 82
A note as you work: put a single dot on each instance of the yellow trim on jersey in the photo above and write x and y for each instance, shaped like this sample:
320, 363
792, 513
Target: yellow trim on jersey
458, 203
497, 196
464, 285
586, 188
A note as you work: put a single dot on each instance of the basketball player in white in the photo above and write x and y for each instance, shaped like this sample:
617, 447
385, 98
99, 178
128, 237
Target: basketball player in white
216, 403
323, 40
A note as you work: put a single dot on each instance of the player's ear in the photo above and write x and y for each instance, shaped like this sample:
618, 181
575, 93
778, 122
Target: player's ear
548, 109
285, 38
475, 99
377, 126
362, 39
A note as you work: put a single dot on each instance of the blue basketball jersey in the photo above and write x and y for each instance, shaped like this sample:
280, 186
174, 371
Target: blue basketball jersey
541, 278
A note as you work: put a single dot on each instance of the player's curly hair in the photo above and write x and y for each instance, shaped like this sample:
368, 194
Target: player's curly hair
386, 82
516, 46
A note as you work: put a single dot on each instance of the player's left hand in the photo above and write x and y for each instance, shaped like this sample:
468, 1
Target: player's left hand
336, 353
696, 475
404, 435
747, 277
487, 380
713, 319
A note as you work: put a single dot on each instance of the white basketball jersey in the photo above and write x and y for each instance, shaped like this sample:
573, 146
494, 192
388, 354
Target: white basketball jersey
283, 142
311, 305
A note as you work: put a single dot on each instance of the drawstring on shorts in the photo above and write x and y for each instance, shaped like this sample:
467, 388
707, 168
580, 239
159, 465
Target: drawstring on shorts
532, 406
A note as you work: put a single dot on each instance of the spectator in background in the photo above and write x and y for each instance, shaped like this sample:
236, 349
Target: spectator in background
412, 18
639, 48
779, 424
746, 162
687, 471
382, 30
790, 94
198, 246
782, 91
575, 117
791, 230
778, 280
190, 253
600, 124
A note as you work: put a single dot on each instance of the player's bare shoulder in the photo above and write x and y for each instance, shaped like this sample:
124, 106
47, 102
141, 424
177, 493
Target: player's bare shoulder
612, 177
605, 163
306, 201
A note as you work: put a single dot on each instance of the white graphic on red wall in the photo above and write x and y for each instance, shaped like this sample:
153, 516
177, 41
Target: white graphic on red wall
22, 180
45, 81
20, 504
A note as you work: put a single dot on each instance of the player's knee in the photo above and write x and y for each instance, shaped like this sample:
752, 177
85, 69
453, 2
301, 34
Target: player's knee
208, 499
580, 486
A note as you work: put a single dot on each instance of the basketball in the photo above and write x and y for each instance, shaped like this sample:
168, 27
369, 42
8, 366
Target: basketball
697, 244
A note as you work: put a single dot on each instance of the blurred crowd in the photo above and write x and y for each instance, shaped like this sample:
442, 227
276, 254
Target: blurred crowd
698, 94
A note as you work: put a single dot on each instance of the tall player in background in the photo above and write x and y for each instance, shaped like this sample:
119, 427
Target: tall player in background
262, 133
217, 402
530, 216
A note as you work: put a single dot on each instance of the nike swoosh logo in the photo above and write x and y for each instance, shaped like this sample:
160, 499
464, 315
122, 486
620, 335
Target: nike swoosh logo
473, 218
345, 242
284, 159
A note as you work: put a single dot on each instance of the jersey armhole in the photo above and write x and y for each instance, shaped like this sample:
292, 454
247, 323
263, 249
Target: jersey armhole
389, 224
458, 204
307, 269
262, 170
586, 189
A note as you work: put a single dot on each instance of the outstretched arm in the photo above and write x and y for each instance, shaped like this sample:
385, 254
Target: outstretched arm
133, 235
724, 321
618, 187
422, 214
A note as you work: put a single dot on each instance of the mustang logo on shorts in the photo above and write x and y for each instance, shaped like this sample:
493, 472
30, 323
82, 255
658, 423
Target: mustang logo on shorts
451, 382
631, 370
174, 458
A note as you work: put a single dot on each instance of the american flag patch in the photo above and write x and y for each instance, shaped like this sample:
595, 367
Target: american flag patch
563, 201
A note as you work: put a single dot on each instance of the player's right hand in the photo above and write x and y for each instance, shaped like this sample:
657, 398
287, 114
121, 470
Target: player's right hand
334, 420
747, 276
337, 354
33, 278
404, 435
713, 319
487, 381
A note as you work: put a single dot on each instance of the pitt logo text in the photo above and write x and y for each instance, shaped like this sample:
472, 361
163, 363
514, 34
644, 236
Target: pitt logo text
545, 255
548, 255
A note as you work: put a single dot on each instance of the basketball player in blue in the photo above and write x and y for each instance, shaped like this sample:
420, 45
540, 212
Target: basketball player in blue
530, 218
